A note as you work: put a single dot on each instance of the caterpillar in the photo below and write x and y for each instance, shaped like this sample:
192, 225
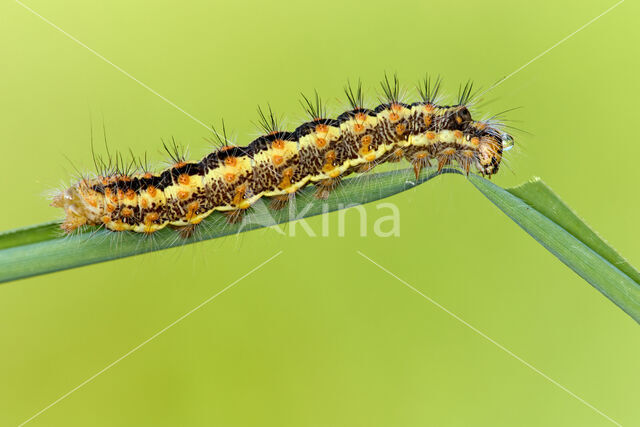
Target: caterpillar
279, 163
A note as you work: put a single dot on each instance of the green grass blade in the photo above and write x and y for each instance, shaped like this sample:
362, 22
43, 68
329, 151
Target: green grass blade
539, 196
539, 211
29, 235
43, 249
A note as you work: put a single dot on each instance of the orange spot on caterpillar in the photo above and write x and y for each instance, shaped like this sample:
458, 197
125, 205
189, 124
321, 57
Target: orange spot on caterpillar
287, 174
91, 201
396, 107
182, 194
106, 219
184, 179
361, 117
449, 151
277, 159
110, 207
239, 197
481, 126
273, 132
458, 119
152, 191
144, 203
366, 141
229, 177
147, 175
431, 135
467, 153
179, 164
226, 147
322, 128
475, 141
126, 212
422, 155
321, 142
230, 161
427, 120
107, 193
120, 194
370, 157
394, 117
458, 134
191, 210
130, 194
151, 217
278, 144
329, 157
429, 108
401, 128
358, 128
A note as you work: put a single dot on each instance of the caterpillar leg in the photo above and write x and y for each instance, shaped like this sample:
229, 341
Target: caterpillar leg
279, 202
465, 159
234, 216
420, 160
395, 156
325, 187
72, 222
185, 231
445, 157
365, 167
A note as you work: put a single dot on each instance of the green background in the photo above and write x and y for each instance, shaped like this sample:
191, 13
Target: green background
320, 336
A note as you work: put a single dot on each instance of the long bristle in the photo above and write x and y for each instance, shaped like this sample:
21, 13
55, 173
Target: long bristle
429, 89
269, 123
391, 89
355, 98
315, 109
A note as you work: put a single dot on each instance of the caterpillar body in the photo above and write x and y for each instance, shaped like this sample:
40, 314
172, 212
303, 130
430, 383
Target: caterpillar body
279, 163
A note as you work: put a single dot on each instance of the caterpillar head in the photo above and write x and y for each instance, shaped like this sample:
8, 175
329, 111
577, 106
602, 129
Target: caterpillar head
490, 150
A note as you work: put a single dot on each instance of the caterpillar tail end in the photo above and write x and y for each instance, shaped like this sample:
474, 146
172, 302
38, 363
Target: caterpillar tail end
75, 217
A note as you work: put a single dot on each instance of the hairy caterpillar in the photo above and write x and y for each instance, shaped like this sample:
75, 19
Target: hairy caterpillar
279, 163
